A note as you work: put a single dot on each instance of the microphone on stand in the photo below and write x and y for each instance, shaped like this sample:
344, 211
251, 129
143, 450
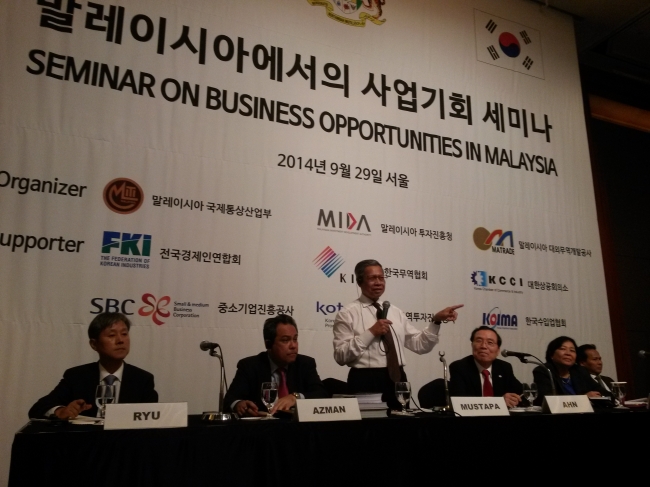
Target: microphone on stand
205, 346
216, 415
524, 359
644, 354
519, 355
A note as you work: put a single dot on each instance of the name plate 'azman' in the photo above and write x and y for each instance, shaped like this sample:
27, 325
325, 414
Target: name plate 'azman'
567, 404
480, 406
141, 416
337, 409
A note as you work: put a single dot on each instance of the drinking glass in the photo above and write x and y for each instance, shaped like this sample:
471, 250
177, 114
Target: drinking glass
618, 389
269, 396
104, 394
403, 393
531, 395
526, 389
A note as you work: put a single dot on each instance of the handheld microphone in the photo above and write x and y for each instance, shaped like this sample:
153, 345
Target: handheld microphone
384, 311
205, 346
519, 355
644, 354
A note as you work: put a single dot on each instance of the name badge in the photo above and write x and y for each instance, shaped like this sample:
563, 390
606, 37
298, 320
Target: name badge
337, 409
567, 404
480, 406
142, 416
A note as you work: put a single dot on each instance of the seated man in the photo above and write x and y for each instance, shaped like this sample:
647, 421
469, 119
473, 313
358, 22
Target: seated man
590, 359
295, 374
482, 374
75, 394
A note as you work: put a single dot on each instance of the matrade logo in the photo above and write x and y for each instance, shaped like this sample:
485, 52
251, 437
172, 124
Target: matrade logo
508, 45
353, 12
496, 319
343, 222
328, 261
123, 196
499, 241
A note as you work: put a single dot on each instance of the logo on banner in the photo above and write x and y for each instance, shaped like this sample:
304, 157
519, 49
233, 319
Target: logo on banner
328, 261
486, 282
508, 45
496, 319
352, 12
327, 310
123, 196
496, 240
156, 308
111, 305
127, 249
343, 222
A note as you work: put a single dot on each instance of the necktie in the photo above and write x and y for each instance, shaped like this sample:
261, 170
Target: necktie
391, 352
487, 385
283, 390
109, 380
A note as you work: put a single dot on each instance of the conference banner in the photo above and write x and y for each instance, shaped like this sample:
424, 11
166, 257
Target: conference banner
202, 166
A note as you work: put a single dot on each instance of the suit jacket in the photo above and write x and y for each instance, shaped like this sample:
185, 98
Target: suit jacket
607, 380
252, 371
465, 378
580, 378
80, 382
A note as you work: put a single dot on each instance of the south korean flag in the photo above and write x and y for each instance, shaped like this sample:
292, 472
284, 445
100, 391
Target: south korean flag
508, 45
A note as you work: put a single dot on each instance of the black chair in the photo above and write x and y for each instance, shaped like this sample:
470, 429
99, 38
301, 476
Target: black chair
433, 394
335, 386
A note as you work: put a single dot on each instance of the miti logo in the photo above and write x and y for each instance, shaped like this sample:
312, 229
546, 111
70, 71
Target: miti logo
123, 196
496, 319
126, 243
497, 240
155, 308
343, 222
328, 261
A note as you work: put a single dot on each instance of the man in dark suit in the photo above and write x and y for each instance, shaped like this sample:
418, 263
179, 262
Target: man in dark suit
295, 374
482, 374
75, 393
591, 360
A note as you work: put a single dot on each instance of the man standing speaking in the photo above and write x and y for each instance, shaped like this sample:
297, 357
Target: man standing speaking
370, 339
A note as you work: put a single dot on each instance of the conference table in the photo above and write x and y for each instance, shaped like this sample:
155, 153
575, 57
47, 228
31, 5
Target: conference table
385, 451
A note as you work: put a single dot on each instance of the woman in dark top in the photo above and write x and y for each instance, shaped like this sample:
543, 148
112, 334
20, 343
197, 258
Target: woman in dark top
569, 378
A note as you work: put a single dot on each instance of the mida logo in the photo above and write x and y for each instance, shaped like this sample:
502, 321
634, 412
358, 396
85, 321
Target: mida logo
344, 222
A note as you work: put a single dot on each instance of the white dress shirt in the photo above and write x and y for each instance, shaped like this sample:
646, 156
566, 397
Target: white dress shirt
356, 346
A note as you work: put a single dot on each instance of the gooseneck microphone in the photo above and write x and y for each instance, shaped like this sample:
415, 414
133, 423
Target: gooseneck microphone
384, 309
644, 354
205, 345
519, 355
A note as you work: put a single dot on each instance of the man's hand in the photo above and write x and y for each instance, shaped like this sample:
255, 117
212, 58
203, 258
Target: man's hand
247, 408
72, 410
381, 327
594, 394
284, 404
448, 314
511, 399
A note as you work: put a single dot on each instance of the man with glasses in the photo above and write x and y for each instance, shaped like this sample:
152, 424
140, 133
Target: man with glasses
294, 374
372, 343
482, 374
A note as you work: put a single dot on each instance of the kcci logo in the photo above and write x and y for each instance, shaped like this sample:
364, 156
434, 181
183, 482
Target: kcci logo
127, 243
328, 261
495, 319
346, 222
483, 279
328, 309
484, 239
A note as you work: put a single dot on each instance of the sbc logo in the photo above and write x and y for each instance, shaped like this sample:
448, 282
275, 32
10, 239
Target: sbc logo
110, 305
155, 308
127, 243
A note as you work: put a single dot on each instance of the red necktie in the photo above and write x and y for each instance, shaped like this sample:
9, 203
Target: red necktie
282, 389
487, 385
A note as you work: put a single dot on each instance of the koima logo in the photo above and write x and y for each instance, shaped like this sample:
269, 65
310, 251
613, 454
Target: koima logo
343, 222
495, 319
497, 240
123, 196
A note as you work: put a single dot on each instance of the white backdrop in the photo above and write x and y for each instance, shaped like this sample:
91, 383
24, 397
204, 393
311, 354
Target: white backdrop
62, 121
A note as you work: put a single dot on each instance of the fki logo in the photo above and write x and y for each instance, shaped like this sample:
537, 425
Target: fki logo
127, 243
